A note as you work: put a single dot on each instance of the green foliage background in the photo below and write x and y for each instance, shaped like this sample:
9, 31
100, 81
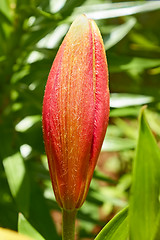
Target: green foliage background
30, 34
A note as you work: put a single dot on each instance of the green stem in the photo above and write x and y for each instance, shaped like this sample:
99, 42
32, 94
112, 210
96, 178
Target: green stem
69, 218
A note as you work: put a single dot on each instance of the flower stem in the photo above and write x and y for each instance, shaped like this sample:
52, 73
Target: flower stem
69, 218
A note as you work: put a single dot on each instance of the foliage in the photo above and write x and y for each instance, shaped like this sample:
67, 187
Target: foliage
30, 34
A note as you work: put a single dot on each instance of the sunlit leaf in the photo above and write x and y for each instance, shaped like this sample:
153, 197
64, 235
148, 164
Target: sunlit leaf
157, 234
53, 39
118, 33
108, 10
8, 212
55, 6
35, 142
5, 9
106, 195
125, 112
144, 204
117, 228
117, 144
69, 6
129, 128
154, 120
18, 181
40, 217
26, 123
35, 35
116, 11
125, 100
24, 227
143, 43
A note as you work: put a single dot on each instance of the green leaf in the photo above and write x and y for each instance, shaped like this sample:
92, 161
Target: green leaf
29, 198
18, 181
117, 144
24, 227
55, 6
144, 202
157, 235
119, 100
4, 18
5, 8
118, 33
125, 11
8, 212
40, 217
125, 63
117, 228
129, 129
154, 120
100, 176
35, 142
105, 11
142, 42
124, 112
27, 122
69, 6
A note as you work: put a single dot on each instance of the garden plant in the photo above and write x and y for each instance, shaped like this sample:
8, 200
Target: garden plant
106, 183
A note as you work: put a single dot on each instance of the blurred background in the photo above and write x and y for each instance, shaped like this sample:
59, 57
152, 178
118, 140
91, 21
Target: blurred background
31, 32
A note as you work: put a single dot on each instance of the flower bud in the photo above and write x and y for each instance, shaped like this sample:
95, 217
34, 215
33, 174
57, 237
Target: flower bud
76, 112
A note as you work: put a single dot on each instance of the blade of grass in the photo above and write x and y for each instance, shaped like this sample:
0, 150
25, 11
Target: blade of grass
144, 203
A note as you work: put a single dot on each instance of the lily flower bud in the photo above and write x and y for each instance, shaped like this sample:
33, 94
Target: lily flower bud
76, 112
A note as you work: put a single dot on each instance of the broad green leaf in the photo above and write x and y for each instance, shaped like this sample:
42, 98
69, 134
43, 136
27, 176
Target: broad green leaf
39, 215
8, 211
157, 234
144, 202
118, 33
24, 227
6, 234
18, 180
117, 228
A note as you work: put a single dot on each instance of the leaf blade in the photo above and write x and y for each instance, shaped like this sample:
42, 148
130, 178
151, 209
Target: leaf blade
18, 180
144, 202
117, 228
24, 227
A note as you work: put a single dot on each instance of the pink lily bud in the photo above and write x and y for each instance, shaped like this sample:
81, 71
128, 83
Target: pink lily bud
76, 112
